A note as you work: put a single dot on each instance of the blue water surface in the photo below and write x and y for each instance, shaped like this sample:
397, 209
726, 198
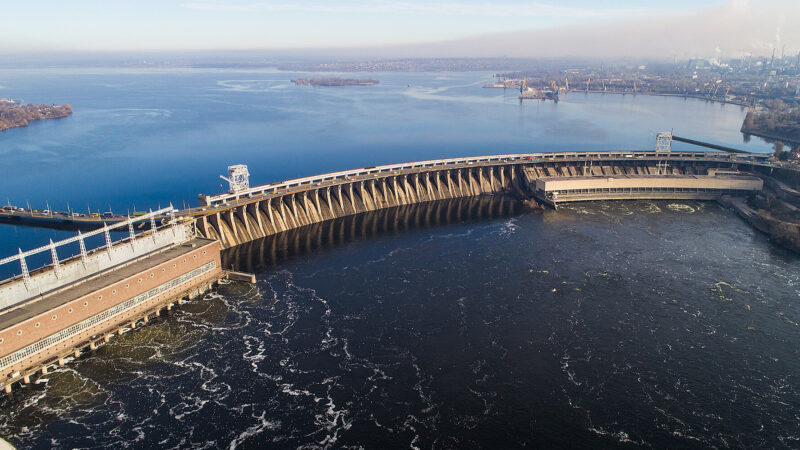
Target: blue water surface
141, 139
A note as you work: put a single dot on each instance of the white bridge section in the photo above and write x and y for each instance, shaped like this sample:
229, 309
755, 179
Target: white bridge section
63, 273
441, 164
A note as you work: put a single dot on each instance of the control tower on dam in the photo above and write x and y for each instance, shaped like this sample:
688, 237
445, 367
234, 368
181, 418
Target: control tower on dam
248, 213
51, 314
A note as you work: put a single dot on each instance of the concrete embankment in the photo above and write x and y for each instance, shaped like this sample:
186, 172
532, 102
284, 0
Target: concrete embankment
781, 232
782, 190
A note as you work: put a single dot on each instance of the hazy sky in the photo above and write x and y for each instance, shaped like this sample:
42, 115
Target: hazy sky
454, 27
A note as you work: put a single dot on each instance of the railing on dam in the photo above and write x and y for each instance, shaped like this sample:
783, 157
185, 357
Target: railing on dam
62, 272
441, 164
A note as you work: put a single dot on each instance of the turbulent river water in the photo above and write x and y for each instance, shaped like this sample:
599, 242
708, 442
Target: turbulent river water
469, 323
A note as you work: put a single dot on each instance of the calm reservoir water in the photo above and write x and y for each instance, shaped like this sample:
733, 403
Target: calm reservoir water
142, 139
467, 323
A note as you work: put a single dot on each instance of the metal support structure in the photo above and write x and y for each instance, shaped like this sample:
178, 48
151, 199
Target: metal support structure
82, 244
81, 237
664, 141
130, 230
26, 276
153, 225
238, 178
108, 237
54, 255
152, 221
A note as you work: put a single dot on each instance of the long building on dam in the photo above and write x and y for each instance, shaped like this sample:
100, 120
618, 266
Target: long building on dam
53, 313
555, 190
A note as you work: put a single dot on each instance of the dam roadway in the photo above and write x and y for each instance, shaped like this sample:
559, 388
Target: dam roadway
54, 313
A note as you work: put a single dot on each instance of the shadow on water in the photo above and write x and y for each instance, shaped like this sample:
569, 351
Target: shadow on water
271, 251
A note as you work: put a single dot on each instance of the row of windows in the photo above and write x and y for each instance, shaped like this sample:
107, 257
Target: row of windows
103, 316
644, 189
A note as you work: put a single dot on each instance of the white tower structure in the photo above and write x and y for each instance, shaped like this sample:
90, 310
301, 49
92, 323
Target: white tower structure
664, 141
238, 178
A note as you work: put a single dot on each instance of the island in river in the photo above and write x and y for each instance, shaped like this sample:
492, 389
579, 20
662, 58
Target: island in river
334, 82
14, 114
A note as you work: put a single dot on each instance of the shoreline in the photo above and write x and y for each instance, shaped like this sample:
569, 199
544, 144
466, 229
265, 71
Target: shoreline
782, 233
659, 94
784, 139
13, 114
651, 94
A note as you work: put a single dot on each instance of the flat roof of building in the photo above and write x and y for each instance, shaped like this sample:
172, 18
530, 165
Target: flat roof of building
38, 305
669, 177
732, 182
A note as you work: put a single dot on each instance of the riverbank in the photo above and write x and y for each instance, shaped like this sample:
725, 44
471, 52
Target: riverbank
776, 120
783, 233
659, 94
786, 139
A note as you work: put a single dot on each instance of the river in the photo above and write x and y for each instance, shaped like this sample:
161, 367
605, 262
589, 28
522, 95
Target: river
141, 139
468, 323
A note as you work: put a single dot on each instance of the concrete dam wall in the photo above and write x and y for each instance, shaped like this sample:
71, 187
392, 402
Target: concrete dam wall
260, 218
234, 219
258, 255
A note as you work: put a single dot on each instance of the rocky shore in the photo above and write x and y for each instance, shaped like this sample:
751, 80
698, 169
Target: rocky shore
776, 213
14, 114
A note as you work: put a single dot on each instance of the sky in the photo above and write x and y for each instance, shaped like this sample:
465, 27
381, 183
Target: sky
403, 27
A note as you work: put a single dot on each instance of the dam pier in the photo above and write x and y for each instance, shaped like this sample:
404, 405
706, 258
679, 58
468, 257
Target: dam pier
53, 313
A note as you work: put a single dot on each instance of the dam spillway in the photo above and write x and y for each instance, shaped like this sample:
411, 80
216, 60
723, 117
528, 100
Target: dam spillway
253, 213
276, 249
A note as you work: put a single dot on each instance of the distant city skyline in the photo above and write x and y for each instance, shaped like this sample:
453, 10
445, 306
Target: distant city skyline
409, 28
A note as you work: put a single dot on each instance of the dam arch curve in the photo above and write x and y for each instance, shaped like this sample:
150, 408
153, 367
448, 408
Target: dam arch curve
237, 218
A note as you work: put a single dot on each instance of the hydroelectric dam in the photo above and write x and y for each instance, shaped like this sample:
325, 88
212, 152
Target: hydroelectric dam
248, 213
51, 314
